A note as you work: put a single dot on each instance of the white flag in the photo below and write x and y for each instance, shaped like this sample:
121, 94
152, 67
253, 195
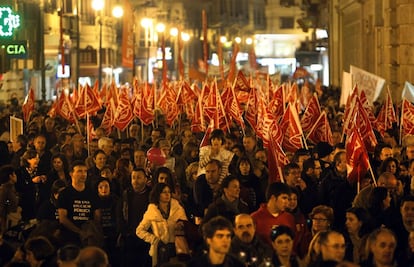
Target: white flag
370, 83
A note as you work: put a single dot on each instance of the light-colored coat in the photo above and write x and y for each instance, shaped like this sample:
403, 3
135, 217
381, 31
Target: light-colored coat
162, 229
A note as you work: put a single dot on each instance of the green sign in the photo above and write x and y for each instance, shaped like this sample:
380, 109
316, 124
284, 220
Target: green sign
8, 21
15, 49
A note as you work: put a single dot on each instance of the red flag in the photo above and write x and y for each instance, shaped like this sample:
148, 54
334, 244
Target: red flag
64, 108
407, 118
197, 123
251, 109
290, 124
185, 94
123, 114
28, 105
311, 114
87, 102
167, 103
277, 104
363, 124
143, 102
231, 106
206, 138
52, 111
108, 118
265, 122
357, 159
367, 106
386, 116
321, 130
241, 83
277, 158
349, 111
112, 94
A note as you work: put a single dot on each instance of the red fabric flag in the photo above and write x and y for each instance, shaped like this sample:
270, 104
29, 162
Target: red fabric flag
65, 109
321, 130
167, 103
292, 95
277, 104
185, 94
87, 102
112, 94
386, 116
251, 109
210, 106
123, 114
368, 107
197, 123
292, 138
265, 122
28, 105
143, 103
277, 158
311, 114
52, 111
232, 108
349, 111
108, 118
242, 84
206, 138
91, 130
363, 124
407, 118
357, 159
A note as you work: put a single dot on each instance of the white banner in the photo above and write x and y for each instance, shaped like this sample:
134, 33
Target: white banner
16, 128
346, 87
408, 92
370, 83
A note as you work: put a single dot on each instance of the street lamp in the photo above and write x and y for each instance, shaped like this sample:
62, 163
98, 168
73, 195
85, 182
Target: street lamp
98, 6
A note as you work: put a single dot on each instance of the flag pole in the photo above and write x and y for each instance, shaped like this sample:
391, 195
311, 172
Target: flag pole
372, 174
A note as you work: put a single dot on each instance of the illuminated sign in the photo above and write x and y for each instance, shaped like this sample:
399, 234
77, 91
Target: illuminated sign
16, 49
8, 21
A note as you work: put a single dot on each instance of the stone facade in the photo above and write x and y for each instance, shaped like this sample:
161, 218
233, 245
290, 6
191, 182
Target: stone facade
375, 35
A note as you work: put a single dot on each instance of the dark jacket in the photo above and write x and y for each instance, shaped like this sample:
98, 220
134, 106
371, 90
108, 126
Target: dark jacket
254, 253
223, 208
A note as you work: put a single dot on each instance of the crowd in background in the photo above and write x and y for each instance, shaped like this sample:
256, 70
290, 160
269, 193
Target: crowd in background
151, 196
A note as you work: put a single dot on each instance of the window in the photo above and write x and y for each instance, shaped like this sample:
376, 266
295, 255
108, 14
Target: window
287, 22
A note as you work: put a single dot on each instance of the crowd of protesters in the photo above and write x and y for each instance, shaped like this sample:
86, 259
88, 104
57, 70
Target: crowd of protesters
150, 196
